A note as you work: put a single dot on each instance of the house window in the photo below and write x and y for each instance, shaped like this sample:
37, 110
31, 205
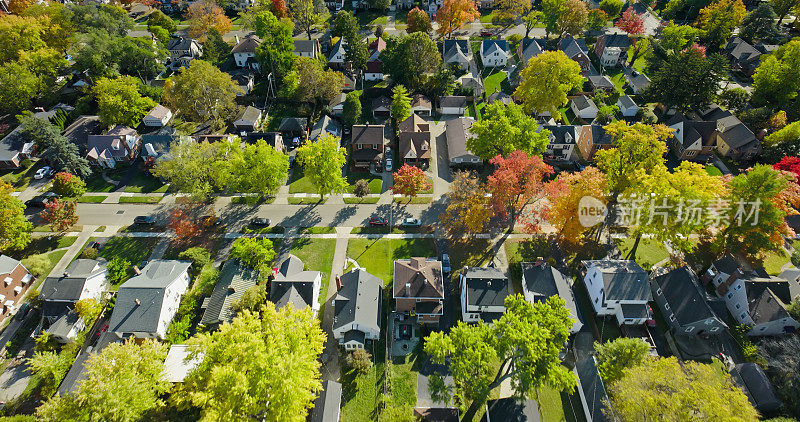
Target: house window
672, 318
418, 300
762, 328
730, 295
689, 329
738, 306
666, 306
714, 330
743, 315
658, 292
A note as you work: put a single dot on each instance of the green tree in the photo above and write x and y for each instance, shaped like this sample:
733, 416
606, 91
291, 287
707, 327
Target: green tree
551, 13
15, 229
675, 38
260, 366
119, 101
635, 148
774, 80
719, 19
546, 80
88, 309
158, 18
783, 369
141, 58
197, 168
123, 383
596, 20
351, 113
107, 18
256, 253
202, 93
163, 36
401, 103
533, 18
418, 21
357, 53
612, 7
505, 129
663, 389
344, 25
525, 342
260, 168
307, 13
252, 300
508, 11
276, 50
50, 367
409, 58
736, 99
199, 256
760, 25
360, 361
441, 83
619, 354
64, 155
18, 87
316, 84
215, 49
38, 131
322, 162
573, 17
38, 264
118, 270
687, 80
783, 7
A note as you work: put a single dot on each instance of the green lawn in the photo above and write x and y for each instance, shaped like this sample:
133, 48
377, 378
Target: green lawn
91, 198
317, 254
414, 200
263, 230
713, 170
139, 199
318, 230
404, 382
96, 183
375, 183
378, 255
492, 83
309, 200
775, 260
144, 182
648, 253
359, 395
132, 249
618, 78
361, 200
46, 228
21, 178
252, 200
298, 183
550, 407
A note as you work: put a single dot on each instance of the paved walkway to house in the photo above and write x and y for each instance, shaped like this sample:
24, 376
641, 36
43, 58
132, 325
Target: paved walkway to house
73, 251
159, 250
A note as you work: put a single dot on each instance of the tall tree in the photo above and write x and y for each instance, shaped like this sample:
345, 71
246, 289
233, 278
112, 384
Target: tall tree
551, 11
322, 162
407, 59
635, 148
306, 14
410, 181
546, 81
614, 356
675, 38
260, 168
631, 22
344, 25
64, 155
68, 185
611, 7
760, 25
196, 168
565, 194
107, 18
317, 85
184, 221
533, 18
38, 131
596, 20
525, 341
18, 87
455, 13
15, 229
774, 80
573, 17
511, 10
140, 57
468, 208
505, 129
401, 103
202, 93
60, 215
687, 80
273, 376
351, 113
119, 101
418, 20
158, 18
357, 53
215, 49
783, 7
204, 15
276, 50
123, 383
256, 253
719, 19
516, 185
664, 389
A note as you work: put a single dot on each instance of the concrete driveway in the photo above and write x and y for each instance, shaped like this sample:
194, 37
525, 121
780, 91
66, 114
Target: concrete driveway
15, 378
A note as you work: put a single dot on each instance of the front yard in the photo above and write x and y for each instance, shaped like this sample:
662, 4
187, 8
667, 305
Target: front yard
378, 255
317, 254
132, 249
648, 253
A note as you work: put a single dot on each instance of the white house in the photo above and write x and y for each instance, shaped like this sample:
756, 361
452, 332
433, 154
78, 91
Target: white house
293, 285
540, 281
336, 56
583, 107
561, 143
336, 106
147, 302
619, 288
306, 48
483, 294
357, 309
83, 279
627, 106
158, 116
456, 52
244, 52
494, 53
453, 105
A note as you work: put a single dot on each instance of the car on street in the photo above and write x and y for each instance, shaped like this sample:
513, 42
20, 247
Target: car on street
446, 263
378, 221
43, 172
411, 222
41, 200
144, 220
487, 33
260, 222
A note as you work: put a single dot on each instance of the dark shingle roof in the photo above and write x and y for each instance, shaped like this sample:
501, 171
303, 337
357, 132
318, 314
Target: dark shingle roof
593, 388
531, 47
418, 278
617, 40
623, 279
545, 281
358, 300
572, 47
486, 286
558, 133
293, 124
70, 286
682, 293
755, 383
293, 284
582, 102
249, 44
453, 48
12, 145
453, 101
325, 125
764, 304
511, 410
456, 132
326, 405
234, 280
727, 264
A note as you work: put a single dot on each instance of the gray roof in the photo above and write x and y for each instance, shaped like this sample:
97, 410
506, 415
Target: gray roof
617, 40
511, 409
7, 264
559, 133
64, 325
292, 284
492, 45
764, 304
78, 132
572, 47
453, 48
182, 44
323, 125
627, 101
486, 286
623, 279
600, 82
359, 300
599, 135
326, 405
531, 47
69, 285
12, 145
234, 280
293, 124
727, 264
741, 51
453, 101
160, 141
338, 99
735, 133
306, 46
499, 96
582, 102
249, 114
545, 281
682, 292
757, 387
336, 49
456, 132
593, 389
694, 130
249, 44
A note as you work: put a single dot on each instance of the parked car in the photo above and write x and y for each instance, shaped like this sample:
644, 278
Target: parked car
144, 220
389, 164
446, 263
487, 33
260, 222
23, 311
41, 200
411, 222
42, 173
95, 245
378, 221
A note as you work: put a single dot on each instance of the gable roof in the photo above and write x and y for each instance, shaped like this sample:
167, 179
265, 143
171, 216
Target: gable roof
418, 278
381, 102
414, 145
419, 100
544, 281
735, 133
531, 47
573, 47
593, 388
78, 132
600, 82
741, 51
626, 101
368, 134
764, 304
623, 279
249, 44
682, 292
583, 102
63, 325
8, 264
456, 131
690, 131
233, 281
68, 286
358, 300
413, 123
336, 50
325, 125
293, 124
456, 49
159, 112
338, 99
249, 114
492, 45
293, 284
13, 144
453, 101
501, 97
616, 40
182, 44
377, 45
561, 134
599, 135
486, 286
306, 46
757, 387
326, 405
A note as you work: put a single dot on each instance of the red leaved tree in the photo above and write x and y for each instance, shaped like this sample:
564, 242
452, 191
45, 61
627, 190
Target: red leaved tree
633, 24
185, 222
59, 215
410, 181
788, 163
517, 186
278, 8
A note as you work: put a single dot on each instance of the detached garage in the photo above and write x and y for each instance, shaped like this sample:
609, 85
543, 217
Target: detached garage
453, 105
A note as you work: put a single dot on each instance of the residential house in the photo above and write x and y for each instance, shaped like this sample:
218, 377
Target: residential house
734, 139
583, 107
349, 83
457, 131
292, 284
334, 4
16, 281
753, 297
244, 52
336, 106
374, 65
245, 80
326, 125
414, 141
233, 281
328, 403
618, 288
156, 145
576, 50
743, 56
457, 52
418, 289
499, 96
357, 309
248, 119
692, 139
540, 281
368, 145
182, 51
147, 302
179, 364
294, 128
612, 49
274, 139
307, 48
14, 149
120, 145
592, 138
592, 391
336, 55
627, 107
511, 409
381, 108
494, 53
561, 143
683, 304
752, 380
600, 83
483, 294
83, 279
78, 132
421, 105
453, 105
66, 328
529, 48
637, 81
157, 117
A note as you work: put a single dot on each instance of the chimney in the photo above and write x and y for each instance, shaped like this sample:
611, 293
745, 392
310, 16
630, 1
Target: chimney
138, 302
136, 270
338, 284
408, 288
539, 261
236, 38
417, 262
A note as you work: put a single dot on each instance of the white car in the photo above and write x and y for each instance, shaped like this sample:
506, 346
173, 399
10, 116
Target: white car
388, 164
42, 173
412, 222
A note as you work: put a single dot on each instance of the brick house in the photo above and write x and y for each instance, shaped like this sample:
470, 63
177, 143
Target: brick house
368, 145
419, 288
15, 282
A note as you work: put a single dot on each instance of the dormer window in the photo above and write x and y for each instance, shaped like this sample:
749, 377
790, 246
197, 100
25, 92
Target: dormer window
424, 147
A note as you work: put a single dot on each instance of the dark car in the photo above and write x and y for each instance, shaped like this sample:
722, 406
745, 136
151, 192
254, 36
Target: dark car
487, 33
260, 222
95, 245
41, 200
378, 221
23, 311
144, 219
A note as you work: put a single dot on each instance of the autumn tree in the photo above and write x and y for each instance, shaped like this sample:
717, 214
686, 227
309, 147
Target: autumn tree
468, 209
635, 148
509, 11
408, 59
15, 229
719, 19
687, 80
504, 129
351, 113
615, 356
202, 93
573, 17
17, 7
307, 13
410, 180
664, 389
204, 15
119, 101
546, 80
401, 103
316, 84
184, 222
633, 25
788, 163
418, 21
255, 252
564, 195
596, 20
59, 214
455, 13
518, 182
263, 365
322, 162
525, 342
68, 185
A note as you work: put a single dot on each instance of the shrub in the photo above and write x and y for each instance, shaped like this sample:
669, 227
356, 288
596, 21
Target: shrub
89, 309
118, 270
66, 184
361, 188
199, 256
360, 361
90, 253
37, 264
254, 252
252, 299
26, 163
